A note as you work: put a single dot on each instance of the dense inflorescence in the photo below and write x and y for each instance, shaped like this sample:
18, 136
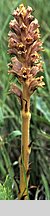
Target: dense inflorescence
25, 46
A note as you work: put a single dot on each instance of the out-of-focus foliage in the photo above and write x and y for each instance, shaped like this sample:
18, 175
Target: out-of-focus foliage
10, 120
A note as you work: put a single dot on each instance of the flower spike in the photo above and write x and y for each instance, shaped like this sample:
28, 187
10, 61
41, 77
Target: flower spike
25, 44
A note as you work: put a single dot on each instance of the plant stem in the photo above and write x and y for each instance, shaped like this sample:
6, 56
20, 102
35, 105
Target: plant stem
24, 162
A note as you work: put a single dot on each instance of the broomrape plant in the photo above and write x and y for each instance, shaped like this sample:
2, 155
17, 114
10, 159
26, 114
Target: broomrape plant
25, 44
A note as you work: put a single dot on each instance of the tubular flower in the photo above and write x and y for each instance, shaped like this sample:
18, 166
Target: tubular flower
25, 44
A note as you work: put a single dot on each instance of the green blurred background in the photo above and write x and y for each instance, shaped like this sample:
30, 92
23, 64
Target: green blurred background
10, 120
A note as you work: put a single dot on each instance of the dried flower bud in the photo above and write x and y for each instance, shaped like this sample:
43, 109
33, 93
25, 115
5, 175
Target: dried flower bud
25, 44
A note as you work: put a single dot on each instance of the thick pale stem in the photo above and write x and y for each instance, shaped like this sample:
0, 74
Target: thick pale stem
24, 162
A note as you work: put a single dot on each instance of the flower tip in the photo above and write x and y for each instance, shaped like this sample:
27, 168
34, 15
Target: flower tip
29, 9
21, 6
35, 21
22, 10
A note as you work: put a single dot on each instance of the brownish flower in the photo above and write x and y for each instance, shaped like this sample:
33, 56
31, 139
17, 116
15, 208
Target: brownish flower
25, 44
